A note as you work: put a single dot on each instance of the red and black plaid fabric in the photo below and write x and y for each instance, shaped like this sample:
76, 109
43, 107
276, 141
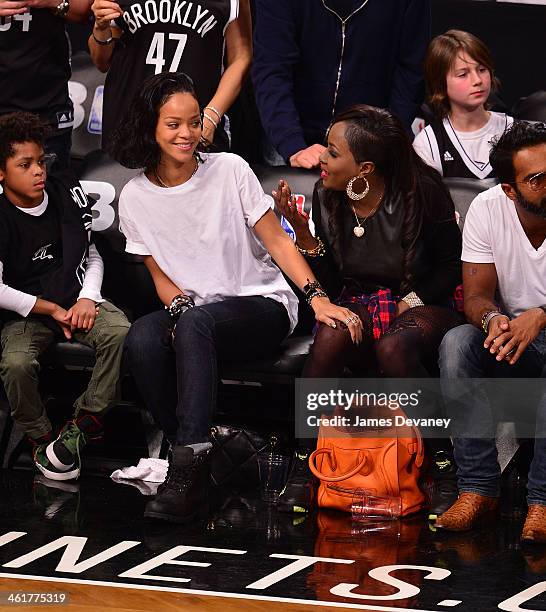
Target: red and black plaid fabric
381, 308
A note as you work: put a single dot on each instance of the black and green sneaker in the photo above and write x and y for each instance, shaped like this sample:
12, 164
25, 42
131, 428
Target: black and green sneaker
60, 460
299, 493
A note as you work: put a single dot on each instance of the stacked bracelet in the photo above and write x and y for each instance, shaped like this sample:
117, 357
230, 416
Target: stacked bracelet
487, 317
215, 111
317, 251
313, 290
179, 304
207, 116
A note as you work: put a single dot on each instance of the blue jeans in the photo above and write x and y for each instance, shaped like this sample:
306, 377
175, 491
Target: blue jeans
178, 377
462, 355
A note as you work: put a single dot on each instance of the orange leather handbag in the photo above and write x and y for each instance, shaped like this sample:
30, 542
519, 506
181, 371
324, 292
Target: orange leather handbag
382, 465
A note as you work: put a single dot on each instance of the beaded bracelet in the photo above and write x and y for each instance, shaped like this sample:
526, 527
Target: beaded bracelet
315, 294
487, 318
179, 304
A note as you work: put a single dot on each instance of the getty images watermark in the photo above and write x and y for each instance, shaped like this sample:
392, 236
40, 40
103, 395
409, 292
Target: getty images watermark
351, 402
375, 407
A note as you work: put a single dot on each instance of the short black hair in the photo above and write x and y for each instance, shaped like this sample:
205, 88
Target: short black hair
133, 142
520, 135
19, 127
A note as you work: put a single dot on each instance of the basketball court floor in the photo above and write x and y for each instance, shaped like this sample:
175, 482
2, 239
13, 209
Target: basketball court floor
85, 546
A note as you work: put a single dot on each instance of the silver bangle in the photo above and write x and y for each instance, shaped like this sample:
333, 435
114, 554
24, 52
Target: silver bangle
413, 300
207, 116
215, 111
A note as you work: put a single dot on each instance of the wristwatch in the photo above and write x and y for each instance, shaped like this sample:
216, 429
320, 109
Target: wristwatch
62, 8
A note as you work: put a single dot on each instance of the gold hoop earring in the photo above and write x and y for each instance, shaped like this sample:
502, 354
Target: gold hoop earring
357, 196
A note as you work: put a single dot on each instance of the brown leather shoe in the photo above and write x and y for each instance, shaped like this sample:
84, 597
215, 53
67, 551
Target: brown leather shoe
534, 529
466, 511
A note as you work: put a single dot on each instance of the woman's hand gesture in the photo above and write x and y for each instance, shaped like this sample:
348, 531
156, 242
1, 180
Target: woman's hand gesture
286, 204
328, 313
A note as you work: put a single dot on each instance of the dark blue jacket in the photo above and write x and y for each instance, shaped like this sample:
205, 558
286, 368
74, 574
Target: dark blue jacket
297, 52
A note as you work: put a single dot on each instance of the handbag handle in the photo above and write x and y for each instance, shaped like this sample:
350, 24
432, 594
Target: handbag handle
419, 447
349, 474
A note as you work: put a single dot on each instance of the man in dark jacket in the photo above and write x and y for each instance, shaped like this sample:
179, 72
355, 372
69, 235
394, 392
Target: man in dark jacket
314, 58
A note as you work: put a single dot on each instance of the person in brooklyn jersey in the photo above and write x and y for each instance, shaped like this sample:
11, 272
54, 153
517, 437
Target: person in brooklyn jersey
134, 39
35, 64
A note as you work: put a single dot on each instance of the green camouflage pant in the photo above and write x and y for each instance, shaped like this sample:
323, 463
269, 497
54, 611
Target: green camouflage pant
25, 340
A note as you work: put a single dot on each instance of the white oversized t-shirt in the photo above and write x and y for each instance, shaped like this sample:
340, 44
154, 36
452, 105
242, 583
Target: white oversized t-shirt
200, 233
493, 234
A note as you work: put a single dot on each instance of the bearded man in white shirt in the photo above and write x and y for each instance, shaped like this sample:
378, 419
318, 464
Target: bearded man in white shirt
504, 279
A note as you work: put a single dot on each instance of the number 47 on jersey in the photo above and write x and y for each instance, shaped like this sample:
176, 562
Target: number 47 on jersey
156, 52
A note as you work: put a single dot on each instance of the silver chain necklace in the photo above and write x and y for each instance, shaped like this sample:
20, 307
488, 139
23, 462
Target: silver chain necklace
343, 24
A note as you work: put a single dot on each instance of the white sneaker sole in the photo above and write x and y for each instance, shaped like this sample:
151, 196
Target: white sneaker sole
70, 475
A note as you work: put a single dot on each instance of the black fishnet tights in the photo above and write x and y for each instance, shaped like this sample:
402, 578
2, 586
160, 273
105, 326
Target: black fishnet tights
408, 349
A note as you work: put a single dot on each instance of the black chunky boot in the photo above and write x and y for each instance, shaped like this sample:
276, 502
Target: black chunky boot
299, 493
444, 492
183, 496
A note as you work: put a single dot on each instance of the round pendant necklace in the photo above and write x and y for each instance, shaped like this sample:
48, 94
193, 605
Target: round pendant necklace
358, 229
162, 184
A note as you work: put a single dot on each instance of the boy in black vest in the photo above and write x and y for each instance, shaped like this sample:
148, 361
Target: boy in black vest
50, 283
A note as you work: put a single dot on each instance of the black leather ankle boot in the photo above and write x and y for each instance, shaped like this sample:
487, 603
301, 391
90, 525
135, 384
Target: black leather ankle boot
183, 496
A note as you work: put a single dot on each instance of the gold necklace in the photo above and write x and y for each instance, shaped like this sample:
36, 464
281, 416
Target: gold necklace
162, 184
358, 229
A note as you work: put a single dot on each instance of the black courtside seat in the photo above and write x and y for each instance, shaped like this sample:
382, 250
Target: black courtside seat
531, 108
463, 191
